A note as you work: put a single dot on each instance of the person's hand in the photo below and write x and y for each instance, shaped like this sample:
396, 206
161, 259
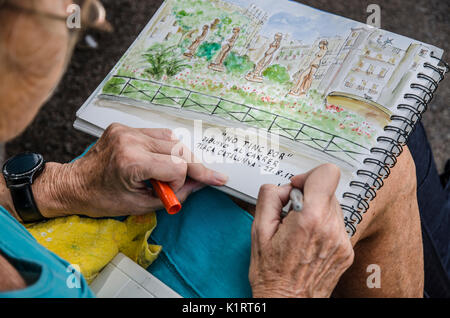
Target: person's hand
109, 179
304, 254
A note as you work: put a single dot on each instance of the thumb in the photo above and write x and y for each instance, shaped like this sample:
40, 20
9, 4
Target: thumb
188, 188
271, 200
318, 185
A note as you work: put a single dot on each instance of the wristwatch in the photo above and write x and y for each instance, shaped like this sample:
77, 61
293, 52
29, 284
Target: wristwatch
20, 172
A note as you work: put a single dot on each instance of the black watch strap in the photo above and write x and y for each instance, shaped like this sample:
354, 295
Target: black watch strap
25, 205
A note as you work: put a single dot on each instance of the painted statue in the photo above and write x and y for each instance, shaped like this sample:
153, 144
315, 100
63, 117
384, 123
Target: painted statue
304, 81
215, 24
217, 65
256, 74
194, 46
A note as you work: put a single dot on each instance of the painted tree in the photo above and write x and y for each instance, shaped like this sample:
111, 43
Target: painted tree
191, 15
277, 73
208, 50
238, 65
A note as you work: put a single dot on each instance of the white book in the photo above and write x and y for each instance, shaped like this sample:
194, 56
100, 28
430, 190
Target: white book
263, 92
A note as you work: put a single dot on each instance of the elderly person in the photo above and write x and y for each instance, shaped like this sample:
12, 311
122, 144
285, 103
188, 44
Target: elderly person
109, 180
302, 255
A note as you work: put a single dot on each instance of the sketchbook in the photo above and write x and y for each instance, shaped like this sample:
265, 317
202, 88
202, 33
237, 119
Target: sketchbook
263, 92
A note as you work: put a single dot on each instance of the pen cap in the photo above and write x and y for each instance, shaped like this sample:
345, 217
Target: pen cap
167, 196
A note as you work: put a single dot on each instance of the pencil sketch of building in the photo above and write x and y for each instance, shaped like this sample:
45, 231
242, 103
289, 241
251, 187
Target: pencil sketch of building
165, 28
334, 46
250, 32
292, 54
258, 18
257, 48
368, 68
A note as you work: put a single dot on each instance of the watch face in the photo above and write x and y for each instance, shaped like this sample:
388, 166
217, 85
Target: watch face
22, 164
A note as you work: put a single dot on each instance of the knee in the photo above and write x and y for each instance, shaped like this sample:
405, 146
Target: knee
403, 180
397, 197
399, 193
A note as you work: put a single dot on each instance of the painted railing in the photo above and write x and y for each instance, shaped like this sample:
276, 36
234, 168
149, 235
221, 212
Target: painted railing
172, 96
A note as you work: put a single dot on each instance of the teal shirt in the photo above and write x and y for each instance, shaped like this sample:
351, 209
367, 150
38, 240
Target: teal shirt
46, 274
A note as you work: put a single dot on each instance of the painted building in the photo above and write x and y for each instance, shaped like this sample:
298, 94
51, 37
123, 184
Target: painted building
369, 65
292, 56
334, 47
258, 47
342, 63
371, 68
291, 53
258, 18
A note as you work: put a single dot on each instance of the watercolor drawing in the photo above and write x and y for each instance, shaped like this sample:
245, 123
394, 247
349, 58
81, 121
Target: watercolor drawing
322, 80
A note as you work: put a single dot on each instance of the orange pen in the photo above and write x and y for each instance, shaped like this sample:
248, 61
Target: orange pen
167, 196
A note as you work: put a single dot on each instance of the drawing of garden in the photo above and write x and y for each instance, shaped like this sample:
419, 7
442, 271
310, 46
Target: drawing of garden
213, 57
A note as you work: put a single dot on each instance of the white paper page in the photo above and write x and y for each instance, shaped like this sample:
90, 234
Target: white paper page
342, 83
242, 177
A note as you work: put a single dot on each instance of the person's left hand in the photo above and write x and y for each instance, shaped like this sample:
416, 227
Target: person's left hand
110, 179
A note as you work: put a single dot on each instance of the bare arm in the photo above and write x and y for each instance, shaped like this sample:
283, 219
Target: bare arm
390, 237
10, 278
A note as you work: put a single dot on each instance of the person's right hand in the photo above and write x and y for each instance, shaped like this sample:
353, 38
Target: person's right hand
109, 179
304, 254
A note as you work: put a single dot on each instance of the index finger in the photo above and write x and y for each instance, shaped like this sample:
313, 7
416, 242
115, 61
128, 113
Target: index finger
158, 133
196, 170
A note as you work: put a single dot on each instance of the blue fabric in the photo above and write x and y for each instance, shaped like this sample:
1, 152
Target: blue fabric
206, 247
202, 245
84, 152
434, 207
45, 272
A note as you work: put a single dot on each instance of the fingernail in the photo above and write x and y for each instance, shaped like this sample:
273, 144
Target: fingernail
172, 136
220, 177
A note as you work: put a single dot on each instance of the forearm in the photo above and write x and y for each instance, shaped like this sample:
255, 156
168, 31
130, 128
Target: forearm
56, 192
6, 200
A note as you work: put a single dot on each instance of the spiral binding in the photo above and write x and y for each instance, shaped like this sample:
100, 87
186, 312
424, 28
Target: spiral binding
386, 157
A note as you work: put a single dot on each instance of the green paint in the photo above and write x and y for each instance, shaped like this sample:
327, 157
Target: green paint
237, 64
277, 73
208, 50
163, 61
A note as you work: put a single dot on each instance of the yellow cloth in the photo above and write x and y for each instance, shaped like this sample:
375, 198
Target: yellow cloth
93, 243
